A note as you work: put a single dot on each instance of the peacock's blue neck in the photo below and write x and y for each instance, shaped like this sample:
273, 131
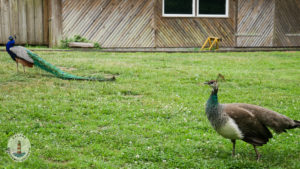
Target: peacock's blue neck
9, 45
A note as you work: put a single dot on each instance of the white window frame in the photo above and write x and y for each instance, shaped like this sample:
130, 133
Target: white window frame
179, 15
212, 15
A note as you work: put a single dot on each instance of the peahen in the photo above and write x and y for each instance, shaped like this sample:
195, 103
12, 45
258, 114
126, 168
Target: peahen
28, 59
245, 121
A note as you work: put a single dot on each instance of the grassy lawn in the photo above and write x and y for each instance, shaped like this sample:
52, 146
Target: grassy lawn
152, 116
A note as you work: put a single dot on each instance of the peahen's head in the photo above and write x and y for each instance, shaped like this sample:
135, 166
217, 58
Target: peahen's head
213, 84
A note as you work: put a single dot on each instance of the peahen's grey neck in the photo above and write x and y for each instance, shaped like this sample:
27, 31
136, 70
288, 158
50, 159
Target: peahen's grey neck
214, 110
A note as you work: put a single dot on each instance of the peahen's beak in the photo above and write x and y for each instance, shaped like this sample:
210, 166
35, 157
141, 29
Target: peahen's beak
205, 83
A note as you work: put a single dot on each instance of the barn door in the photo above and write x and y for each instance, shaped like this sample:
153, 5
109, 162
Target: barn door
27, 19
287, 27
255, 23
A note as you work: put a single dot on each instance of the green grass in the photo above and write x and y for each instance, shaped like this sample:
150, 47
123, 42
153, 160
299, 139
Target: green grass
152, 116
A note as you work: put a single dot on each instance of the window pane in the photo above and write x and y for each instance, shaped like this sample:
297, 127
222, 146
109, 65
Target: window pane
215, 7
178, 7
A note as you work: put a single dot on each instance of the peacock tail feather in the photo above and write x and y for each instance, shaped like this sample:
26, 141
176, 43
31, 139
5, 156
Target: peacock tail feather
41, 63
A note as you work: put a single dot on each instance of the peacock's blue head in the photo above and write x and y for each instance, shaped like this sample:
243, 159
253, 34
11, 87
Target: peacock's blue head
10, 38
10, 43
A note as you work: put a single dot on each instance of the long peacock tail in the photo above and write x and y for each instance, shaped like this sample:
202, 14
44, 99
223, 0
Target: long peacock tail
41, 63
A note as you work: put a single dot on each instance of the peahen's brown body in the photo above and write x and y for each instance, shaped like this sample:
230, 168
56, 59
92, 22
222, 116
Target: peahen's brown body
245, 121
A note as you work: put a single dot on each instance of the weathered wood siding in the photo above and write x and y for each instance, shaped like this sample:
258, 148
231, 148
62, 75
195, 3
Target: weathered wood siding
287, 23
139, 23
27, 19
255, 23
112, 23
55, 22
193, 31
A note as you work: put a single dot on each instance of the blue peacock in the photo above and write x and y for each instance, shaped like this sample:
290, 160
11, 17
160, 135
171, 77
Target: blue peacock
28, 59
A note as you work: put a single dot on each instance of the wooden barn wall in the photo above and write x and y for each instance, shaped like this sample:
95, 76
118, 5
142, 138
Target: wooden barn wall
112, 23
255, 23
27, 19
139, 23
287, 23
193, 31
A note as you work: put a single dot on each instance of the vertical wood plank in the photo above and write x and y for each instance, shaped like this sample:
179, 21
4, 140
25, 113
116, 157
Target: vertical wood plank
275, 35
22, 22
154, 23
30, 21
45, 23
49, 21
38, 21
14, 18
55, 24
5, 26
236, 22
1, 30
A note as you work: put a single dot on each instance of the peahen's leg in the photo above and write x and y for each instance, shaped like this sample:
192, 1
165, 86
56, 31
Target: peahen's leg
233, 148
23, 68
257, 153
